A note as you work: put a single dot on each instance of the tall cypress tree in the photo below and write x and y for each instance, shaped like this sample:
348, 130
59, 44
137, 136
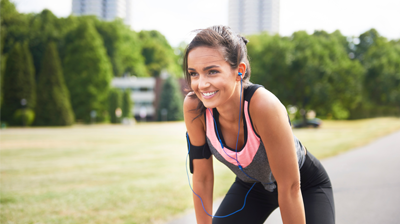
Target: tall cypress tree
87, 71
114, 102
18, 83
126, 104
2, 37
29, 74
171, 101
53, 103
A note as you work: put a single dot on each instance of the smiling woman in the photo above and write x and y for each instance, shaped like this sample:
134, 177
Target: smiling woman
246, 127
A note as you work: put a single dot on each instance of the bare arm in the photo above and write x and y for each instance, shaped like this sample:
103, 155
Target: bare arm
203, 175
271, 123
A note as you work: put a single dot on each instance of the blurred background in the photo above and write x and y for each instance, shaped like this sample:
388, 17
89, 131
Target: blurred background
92, 91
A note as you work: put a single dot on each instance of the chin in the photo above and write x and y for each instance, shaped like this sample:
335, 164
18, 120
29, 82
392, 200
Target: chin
210, 104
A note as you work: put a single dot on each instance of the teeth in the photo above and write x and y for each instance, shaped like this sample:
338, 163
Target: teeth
209, 93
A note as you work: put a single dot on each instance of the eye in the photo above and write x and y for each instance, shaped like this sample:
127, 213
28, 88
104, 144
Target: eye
193, 74
212, 72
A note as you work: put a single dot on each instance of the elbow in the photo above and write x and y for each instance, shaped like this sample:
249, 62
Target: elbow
203, 178
290, 188
295, 188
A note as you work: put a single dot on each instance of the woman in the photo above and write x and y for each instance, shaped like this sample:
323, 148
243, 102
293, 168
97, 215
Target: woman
246, 127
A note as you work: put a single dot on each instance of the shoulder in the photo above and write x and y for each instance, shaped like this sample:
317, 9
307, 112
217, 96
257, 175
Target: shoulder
190, 105
190, 102
266, 107
264, 100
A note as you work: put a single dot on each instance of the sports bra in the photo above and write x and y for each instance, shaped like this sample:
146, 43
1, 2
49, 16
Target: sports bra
252, 156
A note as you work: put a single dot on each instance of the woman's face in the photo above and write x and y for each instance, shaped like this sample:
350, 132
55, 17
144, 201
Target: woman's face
212, 79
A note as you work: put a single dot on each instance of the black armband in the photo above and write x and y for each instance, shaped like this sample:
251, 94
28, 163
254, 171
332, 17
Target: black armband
197, 152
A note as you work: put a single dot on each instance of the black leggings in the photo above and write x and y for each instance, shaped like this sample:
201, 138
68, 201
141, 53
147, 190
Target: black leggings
316, 190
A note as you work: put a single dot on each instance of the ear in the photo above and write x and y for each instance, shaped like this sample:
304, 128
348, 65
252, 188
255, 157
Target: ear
242, 69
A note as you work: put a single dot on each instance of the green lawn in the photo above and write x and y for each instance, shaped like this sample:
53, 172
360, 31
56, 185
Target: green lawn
125, 174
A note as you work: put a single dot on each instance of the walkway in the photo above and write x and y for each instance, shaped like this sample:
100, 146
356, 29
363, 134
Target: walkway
366, 184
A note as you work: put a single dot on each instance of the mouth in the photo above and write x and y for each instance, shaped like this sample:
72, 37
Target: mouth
208, 95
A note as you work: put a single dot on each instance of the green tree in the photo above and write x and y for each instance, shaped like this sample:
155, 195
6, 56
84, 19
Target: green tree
14, 26
87, 71
367, 39
382, 81
380, 59
29, 73
18, 83
2, 58
114, 104
158, 54
44, 28
53, 104
311, 72
270, 59
127, 104
123, 48
170, 107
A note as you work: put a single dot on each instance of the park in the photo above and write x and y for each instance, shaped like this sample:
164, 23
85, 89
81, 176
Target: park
74, 148
127, 173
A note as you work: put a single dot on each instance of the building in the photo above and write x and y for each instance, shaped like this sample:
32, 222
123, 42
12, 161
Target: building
107, 10
143, 94
254, 16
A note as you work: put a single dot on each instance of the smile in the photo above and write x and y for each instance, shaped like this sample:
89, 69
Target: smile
209, 94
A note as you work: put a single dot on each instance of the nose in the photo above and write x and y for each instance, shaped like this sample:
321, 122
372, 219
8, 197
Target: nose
203, 82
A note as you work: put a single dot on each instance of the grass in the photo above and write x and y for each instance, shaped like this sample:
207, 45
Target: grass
125, 174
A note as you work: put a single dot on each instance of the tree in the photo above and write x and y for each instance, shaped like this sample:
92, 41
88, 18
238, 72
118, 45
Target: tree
2, 58
382, 81
158, 54
381, 60
170, 107
19, 83
53, 105
44, 28
123, 48
270, 60
14, 26
29, 74
311, 72
126, 104
114, 105
87, 71
367, 39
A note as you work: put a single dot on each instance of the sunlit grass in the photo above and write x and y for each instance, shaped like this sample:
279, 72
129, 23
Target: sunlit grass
125, 174
335, 137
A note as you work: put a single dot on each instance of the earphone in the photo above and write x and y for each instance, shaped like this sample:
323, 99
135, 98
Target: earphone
236, 159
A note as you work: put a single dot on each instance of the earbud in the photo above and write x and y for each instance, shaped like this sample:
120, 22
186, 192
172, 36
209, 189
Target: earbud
240, 74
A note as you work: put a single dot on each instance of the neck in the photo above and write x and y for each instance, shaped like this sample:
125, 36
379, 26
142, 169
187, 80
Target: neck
229, 111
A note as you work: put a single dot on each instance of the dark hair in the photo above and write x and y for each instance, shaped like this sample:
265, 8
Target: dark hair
231, 45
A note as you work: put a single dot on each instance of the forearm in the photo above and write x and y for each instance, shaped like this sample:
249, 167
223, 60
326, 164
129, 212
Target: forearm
291, 205
205, 190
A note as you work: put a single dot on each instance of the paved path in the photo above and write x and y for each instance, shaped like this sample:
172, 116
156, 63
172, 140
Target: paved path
366, 183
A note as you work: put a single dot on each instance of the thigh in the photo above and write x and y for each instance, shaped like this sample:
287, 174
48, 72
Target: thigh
259, 204
319, 205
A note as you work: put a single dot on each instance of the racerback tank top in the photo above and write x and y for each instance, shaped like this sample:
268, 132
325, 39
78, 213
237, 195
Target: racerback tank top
252, 156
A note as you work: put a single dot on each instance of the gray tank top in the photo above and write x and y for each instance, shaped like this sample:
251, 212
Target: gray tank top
252, 157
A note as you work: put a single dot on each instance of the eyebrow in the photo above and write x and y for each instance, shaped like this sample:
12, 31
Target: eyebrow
206, 68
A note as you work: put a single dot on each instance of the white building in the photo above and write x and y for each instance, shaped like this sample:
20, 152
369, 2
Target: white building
104, 9
142, 93
254, 16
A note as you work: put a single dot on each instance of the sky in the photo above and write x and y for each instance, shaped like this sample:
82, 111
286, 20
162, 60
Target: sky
177, 18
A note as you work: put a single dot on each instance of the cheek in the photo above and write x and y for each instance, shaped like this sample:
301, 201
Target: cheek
193, 85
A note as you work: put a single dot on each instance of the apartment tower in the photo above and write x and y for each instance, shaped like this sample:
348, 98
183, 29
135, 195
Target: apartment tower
107, 10
254, 16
